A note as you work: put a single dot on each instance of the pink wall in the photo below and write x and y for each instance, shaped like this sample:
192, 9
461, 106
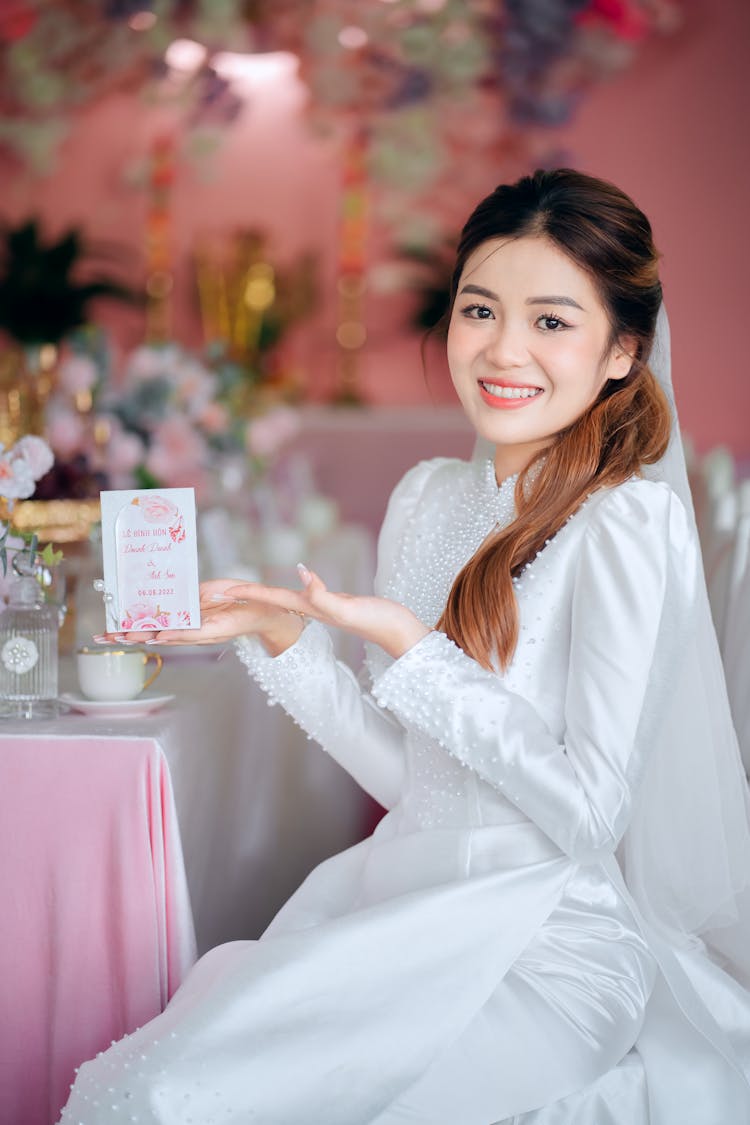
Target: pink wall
669, 132
672, 133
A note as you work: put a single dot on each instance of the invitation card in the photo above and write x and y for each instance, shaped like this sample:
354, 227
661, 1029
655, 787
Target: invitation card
150, 550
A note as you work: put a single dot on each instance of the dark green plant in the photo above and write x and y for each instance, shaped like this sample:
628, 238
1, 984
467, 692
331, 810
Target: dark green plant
41, 296
431, 279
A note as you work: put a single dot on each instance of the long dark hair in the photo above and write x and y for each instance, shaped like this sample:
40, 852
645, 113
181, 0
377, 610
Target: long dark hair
603, 232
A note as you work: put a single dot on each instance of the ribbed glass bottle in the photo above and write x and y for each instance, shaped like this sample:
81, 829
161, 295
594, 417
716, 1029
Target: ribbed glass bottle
29, 629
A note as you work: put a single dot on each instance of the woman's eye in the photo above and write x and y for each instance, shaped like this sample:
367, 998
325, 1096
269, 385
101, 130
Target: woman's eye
551, 323
477, 312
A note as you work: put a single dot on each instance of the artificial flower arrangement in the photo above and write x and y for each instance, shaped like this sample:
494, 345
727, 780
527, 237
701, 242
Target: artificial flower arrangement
168, 420
21, 467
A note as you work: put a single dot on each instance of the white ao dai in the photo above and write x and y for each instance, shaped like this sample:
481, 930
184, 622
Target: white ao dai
479, 958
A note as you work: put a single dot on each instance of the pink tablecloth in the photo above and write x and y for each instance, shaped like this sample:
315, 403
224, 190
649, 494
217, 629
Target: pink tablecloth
93, 941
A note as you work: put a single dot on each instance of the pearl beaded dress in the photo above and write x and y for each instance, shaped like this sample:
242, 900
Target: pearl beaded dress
479, 958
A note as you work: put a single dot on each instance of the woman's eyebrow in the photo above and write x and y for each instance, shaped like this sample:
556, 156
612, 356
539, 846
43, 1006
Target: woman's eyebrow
480, 292
554, 301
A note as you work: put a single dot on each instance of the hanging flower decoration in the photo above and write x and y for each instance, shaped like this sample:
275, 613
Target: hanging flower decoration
408, 70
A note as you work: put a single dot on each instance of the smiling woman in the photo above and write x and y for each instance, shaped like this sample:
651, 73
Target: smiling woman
543, 359
533, 933
558, 384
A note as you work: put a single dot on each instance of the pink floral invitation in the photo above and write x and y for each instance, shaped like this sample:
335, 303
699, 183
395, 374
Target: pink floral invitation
150, 551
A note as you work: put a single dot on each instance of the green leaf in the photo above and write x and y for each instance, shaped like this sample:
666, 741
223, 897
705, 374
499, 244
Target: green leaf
51, 557
145, 479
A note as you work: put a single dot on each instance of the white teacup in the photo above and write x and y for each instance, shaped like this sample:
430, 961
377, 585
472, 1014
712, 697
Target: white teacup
115, 674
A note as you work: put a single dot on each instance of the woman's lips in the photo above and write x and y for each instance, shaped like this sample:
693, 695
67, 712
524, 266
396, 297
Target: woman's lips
501, 402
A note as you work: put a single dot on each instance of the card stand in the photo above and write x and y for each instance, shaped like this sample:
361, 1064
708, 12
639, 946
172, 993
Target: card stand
111, 609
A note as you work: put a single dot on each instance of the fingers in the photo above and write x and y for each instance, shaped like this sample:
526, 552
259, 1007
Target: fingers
306, 576
179, 637
138, 638
279, 596
293, 601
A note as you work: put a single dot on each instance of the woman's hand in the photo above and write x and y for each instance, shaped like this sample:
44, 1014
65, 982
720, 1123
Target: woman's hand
380, 620
231, 609
223, 619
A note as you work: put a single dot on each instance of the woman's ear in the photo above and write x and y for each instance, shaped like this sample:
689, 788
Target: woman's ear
622, 357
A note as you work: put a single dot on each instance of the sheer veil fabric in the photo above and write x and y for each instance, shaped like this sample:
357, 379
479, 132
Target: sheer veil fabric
686, 854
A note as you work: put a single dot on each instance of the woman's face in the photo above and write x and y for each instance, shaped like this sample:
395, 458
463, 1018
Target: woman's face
527, 346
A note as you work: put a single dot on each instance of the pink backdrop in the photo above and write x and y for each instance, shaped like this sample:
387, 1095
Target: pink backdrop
669, 131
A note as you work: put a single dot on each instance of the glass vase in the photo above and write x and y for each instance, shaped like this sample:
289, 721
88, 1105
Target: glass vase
29, 627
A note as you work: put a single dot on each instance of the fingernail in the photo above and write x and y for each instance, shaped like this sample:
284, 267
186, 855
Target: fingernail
304, 574
101, 639
151, 641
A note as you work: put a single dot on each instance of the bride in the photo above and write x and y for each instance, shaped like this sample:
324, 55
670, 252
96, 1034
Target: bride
550, 924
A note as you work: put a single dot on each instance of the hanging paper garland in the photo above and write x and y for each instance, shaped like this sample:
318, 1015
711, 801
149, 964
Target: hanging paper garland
159, 279
351, 332
377, 61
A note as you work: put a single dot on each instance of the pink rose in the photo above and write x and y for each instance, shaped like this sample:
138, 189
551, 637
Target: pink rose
141, 611
16, 478
157, 509
36, 453
176, 450
66, 433
143, 624
124, 452
214, 418
78, 373
266, 435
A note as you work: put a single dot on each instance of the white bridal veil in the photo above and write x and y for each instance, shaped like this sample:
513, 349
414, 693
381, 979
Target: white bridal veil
686, 854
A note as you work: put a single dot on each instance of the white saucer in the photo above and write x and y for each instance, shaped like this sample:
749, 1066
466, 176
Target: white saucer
115, 708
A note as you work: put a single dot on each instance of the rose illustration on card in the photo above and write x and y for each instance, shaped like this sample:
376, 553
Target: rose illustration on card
150, 559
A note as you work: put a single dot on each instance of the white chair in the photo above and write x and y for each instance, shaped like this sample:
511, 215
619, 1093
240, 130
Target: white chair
712, 484
718, 550
735, 642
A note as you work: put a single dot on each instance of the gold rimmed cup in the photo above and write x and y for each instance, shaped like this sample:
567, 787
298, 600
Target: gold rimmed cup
115, 674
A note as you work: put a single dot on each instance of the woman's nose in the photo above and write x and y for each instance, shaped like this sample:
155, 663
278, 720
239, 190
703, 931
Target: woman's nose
508, 346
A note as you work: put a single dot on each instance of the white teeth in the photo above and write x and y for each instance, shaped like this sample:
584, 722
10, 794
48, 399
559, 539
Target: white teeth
511, 392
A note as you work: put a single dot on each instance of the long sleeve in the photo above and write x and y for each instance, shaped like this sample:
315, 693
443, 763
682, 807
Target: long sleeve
323, 695
578, 789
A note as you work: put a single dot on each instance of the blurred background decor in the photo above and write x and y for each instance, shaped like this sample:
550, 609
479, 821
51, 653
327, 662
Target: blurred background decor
44, 295
289, 178
248, 304
169, 417
22, 465
409, 68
